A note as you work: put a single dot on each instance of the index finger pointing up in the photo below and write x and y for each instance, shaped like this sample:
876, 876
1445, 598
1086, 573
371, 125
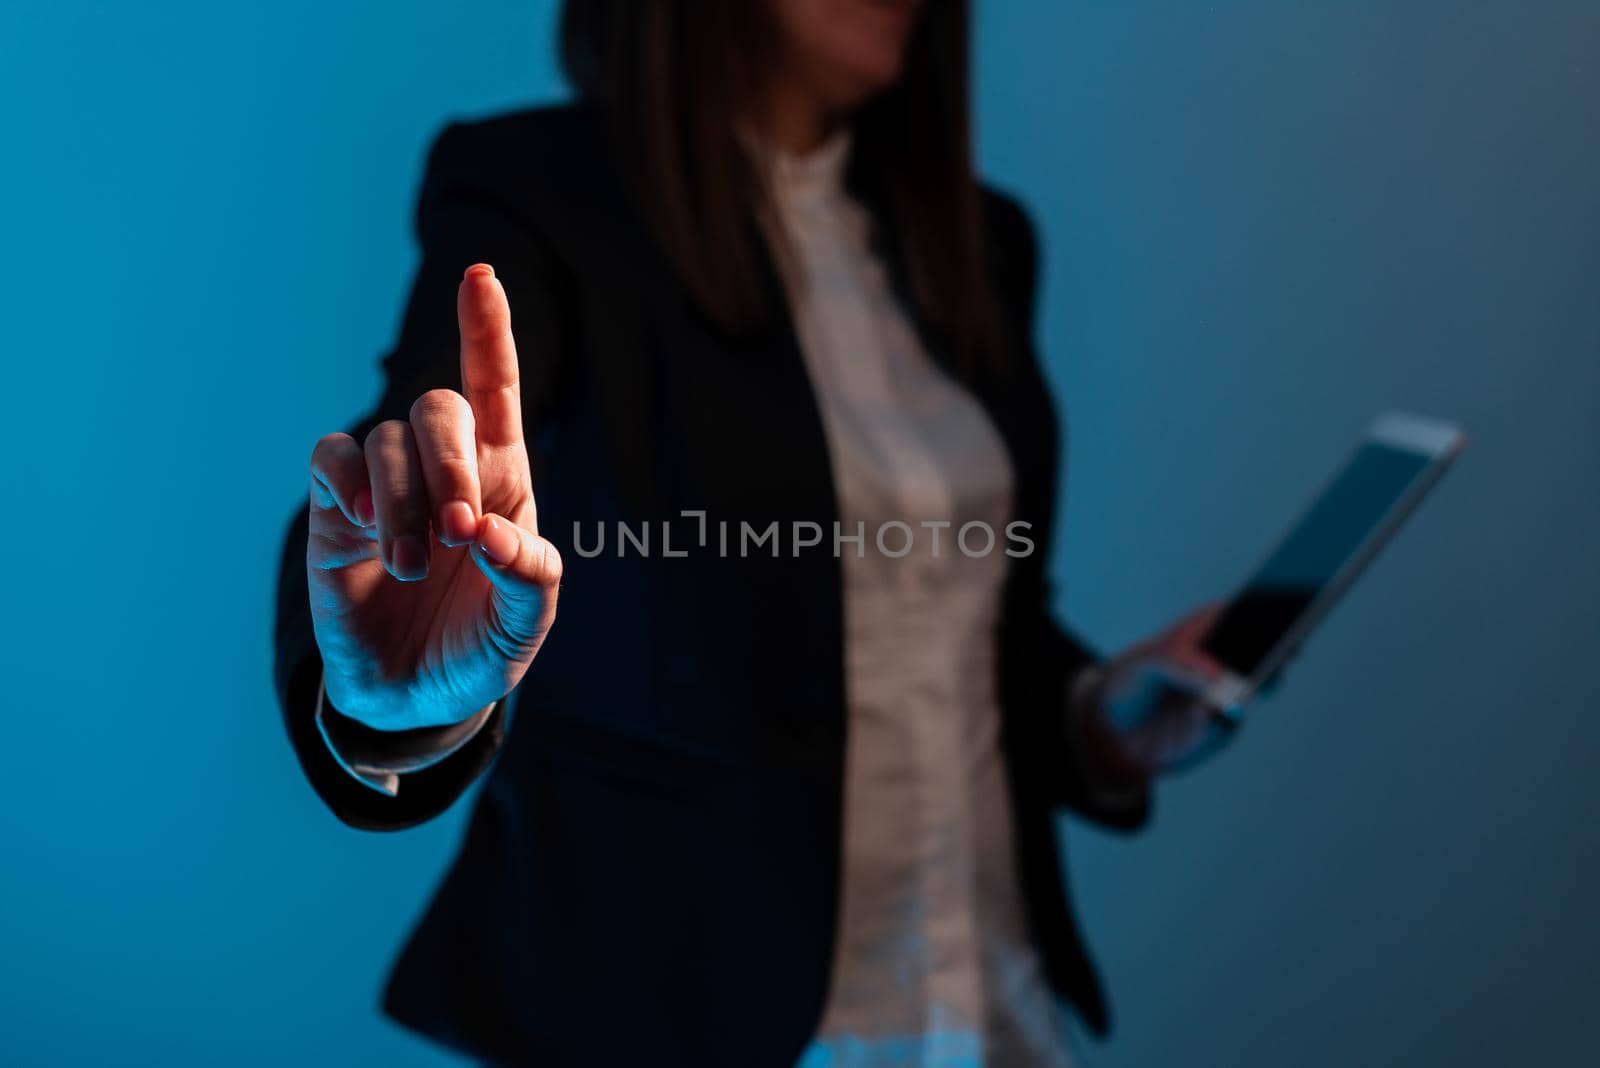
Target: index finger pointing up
489, 375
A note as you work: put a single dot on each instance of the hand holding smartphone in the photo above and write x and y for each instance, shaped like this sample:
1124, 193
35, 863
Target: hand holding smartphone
1398, 461
1175, 700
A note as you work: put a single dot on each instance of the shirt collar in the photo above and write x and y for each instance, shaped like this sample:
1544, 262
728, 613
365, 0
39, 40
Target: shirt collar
812, 175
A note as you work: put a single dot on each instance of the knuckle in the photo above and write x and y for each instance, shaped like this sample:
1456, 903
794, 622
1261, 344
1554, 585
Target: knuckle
401, 512
438, 405
452, 472
387, 434
448, 445
400, 483
329, 548
331, 448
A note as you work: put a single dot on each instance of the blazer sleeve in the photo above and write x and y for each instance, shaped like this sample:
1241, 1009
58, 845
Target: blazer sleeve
462, 218
1041, 658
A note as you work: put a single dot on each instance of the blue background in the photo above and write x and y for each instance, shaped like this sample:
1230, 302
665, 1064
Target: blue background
1264, 221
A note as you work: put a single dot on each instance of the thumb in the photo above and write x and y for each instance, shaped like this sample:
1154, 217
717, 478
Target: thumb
525, 573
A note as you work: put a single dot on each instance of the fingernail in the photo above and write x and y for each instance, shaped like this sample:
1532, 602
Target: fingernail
408, 558
480, 269
498, 541
363, 507
457, 524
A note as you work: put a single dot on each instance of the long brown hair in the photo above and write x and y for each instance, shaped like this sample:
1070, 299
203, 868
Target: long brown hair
675, 76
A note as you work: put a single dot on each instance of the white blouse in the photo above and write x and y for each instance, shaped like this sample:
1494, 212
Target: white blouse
933, 965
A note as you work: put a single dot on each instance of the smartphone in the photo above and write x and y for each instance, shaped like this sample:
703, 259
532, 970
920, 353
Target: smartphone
1398, 461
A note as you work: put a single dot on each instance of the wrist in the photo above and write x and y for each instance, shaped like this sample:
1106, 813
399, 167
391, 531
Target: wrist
378, 758
387, 710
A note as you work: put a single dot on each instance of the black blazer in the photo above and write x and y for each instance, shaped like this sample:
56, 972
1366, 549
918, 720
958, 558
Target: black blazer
651, 872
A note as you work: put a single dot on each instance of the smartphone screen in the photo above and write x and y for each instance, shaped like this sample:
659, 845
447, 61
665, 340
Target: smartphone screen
1327, 536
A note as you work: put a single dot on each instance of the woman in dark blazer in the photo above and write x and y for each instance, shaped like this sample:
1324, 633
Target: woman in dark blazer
742, 803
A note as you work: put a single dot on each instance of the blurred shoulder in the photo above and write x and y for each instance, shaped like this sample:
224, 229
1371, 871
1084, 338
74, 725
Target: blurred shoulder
551, 134
1012, 249
1008, 228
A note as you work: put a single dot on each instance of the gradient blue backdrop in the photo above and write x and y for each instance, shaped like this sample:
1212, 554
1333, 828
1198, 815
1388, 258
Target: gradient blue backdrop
1264, 221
